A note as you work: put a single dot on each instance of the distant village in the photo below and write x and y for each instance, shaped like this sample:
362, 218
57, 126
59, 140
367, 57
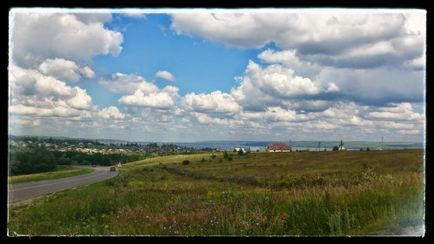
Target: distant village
286, 147
93, 146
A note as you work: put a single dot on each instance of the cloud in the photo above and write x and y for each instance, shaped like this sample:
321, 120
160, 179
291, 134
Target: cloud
158, 100
111, 112
166, 75
36, 37
137, 91
270, 86
214, 102
65, 70
127, 84
205, 119
80, 100
375, 87
402, 111
26, 122
32, 82
356, 40
317, 30
133, 15
58, 110
34, 93
271, 114
89, 18
288, 57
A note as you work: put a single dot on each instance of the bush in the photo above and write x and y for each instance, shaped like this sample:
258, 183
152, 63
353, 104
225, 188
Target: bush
368, 149
203, 160
240, 152
31, 161
225, 154
335, 148
230, 158
185, 162
213, 156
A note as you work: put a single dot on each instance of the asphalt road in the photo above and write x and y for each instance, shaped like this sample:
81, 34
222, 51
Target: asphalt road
26, 191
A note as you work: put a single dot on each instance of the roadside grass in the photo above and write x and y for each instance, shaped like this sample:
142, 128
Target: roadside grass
61, 171
330, 193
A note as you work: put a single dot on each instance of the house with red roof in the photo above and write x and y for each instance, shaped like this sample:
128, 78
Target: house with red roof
279, 147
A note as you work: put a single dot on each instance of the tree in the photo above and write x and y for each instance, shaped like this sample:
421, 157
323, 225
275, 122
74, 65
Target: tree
240, 152
31, 161
225, 154
335, 148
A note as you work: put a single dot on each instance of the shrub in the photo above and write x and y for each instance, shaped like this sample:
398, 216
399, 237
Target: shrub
225, 155
335, 148
230, 158
185, 162
213, 156
203, 160
31, 161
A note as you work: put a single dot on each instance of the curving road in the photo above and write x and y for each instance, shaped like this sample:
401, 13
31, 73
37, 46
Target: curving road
25, 191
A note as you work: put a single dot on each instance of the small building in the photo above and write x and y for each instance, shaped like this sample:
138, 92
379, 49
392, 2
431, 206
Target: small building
244, 150
279, 147
342, 148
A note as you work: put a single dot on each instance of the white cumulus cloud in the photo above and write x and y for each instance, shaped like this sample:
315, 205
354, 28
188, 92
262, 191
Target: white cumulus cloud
65, 70
111, 112
166, 75
214, 102
36, 37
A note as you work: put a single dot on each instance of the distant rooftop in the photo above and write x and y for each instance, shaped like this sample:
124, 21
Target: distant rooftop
279, 146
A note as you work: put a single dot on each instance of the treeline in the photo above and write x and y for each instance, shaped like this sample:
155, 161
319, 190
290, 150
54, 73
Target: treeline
70, 141
29, 161
39, 159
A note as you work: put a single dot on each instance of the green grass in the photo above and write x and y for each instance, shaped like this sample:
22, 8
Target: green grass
60, 172
307, 193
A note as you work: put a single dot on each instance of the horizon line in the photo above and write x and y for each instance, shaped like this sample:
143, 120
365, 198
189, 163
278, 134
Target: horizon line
9, 135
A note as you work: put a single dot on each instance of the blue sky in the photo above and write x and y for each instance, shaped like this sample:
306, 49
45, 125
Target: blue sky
200, 66
208, 75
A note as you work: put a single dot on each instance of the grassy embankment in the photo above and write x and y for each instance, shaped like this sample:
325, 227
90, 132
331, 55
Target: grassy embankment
304, 193
60, 172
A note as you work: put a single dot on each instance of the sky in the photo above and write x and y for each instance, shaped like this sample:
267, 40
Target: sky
170, 75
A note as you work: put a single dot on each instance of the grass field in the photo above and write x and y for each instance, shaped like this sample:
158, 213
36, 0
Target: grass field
303, 193
60, 172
